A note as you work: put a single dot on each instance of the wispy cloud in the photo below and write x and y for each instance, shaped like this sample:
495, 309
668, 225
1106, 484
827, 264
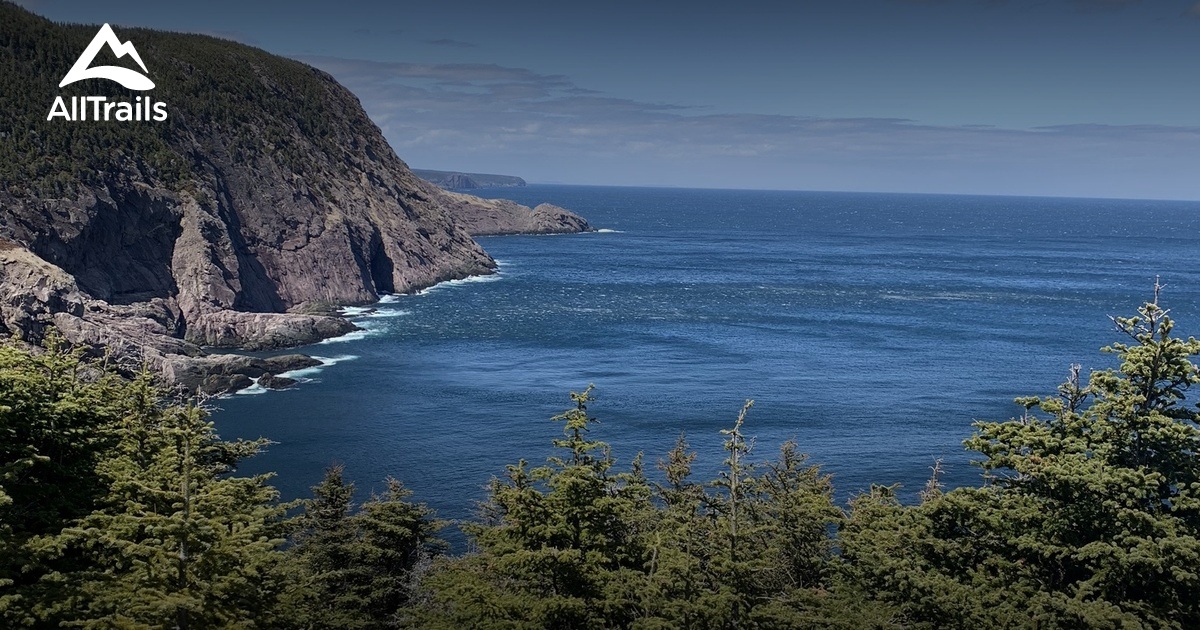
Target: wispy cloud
545, 127
1193, 12
449, 43
1083, 5
385, 32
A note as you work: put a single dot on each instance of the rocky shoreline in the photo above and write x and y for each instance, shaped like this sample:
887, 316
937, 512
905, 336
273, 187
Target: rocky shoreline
240, 222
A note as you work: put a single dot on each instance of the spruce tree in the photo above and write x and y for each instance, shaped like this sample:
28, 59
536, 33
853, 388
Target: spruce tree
58, 417
359, 570
179, 542
1089, 516
560, 545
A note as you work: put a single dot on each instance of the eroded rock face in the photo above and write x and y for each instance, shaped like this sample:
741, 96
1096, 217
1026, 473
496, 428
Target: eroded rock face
32, 291
267, 198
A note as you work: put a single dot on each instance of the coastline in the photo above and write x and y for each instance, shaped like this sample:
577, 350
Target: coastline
360, 317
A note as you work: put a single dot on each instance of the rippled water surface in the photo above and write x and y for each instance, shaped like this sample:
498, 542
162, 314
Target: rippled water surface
873, 329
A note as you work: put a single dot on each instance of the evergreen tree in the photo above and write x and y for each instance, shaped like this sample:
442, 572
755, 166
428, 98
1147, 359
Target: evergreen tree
1089, 517
58, 418
560, 545
179, 542
757, 552
359, 570
575, 545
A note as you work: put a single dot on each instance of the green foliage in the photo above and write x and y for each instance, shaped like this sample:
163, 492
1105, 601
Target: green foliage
223, 97
559, 544
1089, 517
177, 541
124, 512
119, 510
359, 569
574, 544
59, 416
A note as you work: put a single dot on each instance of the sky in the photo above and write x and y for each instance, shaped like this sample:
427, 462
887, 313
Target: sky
1086, 98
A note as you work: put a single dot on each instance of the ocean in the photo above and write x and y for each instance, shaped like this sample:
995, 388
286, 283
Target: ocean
873, 329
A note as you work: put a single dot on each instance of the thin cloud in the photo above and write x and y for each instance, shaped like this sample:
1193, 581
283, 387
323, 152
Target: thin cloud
544, 127
1086, 5
370, 31
1193, 12
461, 72
450, 43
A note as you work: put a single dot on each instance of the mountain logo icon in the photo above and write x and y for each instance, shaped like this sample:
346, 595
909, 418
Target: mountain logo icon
129, 78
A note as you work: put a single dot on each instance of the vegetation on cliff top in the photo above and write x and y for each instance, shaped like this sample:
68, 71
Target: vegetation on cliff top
221, 96
118, 508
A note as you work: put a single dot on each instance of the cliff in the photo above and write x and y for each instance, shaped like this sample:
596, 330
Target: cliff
266, 196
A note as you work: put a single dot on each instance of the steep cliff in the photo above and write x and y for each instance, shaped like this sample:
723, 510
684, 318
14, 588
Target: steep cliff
266, 195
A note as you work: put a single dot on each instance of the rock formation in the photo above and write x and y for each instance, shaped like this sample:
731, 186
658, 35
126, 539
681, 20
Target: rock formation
267, 197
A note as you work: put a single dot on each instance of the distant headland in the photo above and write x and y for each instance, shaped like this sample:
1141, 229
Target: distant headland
454, 180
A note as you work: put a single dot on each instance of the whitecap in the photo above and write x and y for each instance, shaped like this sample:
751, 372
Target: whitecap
354, 311
389, 298
387, 313
608, 231
252, 390
461, 281
303, 374
353, 335
326, 361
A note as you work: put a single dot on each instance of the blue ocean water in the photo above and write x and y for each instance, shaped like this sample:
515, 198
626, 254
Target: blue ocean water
872, 329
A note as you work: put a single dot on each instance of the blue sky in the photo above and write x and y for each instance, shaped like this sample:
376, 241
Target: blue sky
1041, 97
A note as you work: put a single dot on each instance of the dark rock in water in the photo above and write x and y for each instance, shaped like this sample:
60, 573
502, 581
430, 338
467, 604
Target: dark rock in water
265, 197
289, 363
270, 381
221, 373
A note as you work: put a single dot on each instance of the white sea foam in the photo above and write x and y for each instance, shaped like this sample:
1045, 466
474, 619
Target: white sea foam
252, 390
327, 361
304, 374
385, 313
354, 311
461, 281
353, 335
390, 298
608, 231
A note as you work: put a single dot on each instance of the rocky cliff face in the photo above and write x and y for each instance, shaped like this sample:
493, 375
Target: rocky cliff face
266, 197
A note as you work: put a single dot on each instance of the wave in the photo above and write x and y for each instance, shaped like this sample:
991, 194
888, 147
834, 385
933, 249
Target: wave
386, 313
608, 231
389, 298
253, 390
304, 374
353, 335
934, 297
461, 281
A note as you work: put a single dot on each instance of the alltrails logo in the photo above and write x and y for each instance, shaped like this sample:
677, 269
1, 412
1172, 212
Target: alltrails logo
141, 109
